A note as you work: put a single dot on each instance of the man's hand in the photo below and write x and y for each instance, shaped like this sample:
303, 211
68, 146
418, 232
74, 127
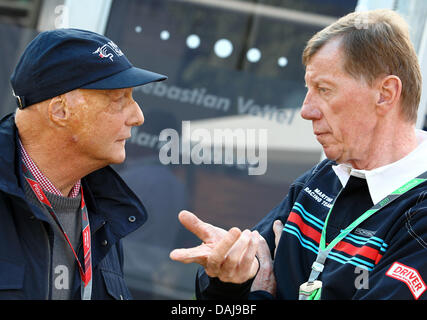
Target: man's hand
228, 255
265, 279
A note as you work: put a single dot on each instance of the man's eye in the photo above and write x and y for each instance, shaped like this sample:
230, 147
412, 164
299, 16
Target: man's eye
322, 90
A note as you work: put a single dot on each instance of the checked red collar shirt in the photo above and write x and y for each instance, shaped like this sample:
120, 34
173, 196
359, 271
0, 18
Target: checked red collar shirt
41, 178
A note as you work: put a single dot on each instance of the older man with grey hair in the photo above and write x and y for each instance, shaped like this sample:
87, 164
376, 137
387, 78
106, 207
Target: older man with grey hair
355, 225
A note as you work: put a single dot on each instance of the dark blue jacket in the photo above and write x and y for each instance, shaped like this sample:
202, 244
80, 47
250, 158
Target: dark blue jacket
25, 235
385, 257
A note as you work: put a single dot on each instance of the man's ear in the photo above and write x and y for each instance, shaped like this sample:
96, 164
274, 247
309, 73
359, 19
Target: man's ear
58, 111
389, 92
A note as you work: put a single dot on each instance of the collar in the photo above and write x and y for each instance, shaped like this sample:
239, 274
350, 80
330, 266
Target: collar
41, 178
384, 180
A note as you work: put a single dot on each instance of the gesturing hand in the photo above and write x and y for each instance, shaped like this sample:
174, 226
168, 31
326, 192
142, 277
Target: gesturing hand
228, 255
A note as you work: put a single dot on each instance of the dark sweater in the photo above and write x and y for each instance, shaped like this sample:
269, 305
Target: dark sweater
62, 262
385, 257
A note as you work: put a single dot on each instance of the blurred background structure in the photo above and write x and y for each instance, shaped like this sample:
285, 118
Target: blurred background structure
232, 64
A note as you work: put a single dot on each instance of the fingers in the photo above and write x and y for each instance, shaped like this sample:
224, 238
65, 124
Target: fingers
240, 264
235, 253
249, 264
209, 256
197, 255
195, 225
227, 255
212, 237
219, 253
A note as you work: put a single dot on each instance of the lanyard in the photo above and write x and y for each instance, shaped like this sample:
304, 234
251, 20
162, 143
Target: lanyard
311, 290
86, 272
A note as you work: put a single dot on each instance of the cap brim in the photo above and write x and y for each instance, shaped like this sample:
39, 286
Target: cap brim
132, 77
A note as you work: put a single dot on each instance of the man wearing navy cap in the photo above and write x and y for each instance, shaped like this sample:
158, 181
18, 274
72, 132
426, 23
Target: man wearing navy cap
63, 210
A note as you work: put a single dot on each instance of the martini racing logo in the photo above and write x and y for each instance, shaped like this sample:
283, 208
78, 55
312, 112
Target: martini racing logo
409, 276
320, 197
108, 50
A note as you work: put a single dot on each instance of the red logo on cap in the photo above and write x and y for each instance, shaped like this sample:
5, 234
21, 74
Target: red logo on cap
108, 51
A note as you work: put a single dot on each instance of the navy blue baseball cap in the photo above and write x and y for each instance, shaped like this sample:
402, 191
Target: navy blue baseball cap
62, 60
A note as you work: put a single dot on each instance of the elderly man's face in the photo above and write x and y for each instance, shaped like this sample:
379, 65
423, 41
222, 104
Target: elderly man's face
102, 121
341, 108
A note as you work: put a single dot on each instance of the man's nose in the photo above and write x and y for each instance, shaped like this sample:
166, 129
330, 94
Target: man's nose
136, 117
309, 111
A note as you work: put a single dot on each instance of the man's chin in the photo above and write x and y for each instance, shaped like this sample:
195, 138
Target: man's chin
118, 157
118, 160
332, 154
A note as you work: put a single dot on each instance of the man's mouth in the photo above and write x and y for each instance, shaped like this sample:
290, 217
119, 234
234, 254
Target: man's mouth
123, 139
319, 133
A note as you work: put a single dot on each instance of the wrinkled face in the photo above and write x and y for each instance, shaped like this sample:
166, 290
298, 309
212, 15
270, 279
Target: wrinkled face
101, 122
341, 108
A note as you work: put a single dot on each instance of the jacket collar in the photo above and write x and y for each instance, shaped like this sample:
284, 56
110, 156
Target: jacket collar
9, 159
108, 197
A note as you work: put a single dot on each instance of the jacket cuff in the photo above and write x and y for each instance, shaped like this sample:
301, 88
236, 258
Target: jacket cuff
213, 288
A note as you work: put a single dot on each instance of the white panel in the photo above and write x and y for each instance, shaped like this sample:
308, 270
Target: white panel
89, 15
364, 5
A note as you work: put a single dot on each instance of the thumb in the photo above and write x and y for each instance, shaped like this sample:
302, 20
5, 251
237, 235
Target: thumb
193, 224
263, 251
277, 229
